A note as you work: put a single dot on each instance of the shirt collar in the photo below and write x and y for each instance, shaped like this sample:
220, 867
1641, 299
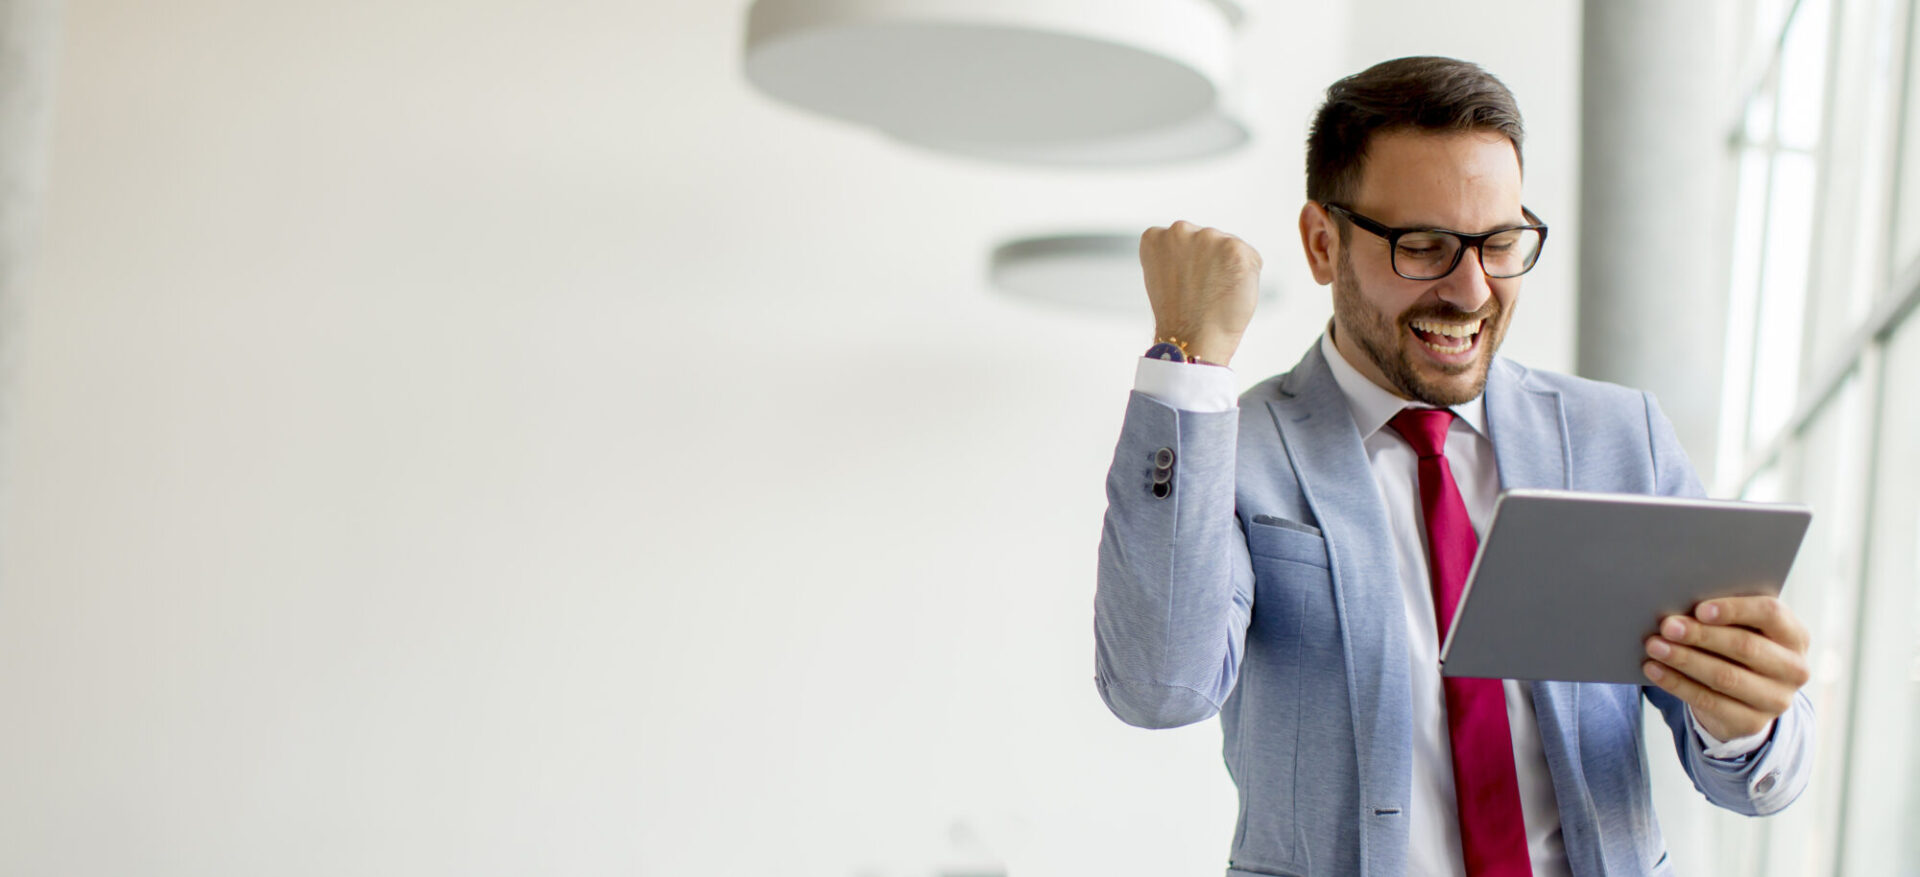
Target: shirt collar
1373, 405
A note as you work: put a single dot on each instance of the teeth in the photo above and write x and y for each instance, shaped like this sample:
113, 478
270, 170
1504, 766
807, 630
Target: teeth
1464, 333
1448, 329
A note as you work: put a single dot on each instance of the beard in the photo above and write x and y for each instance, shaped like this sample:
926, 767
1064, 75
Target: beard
1382, 339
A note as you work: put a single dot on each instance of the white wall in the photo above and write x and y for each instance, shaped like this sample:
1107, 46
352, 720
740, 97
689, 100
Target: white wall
486, 438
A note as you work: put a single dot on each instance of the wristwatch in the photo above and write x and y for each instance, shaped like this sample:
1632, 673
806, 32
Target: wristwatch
1168, 351
1173, 349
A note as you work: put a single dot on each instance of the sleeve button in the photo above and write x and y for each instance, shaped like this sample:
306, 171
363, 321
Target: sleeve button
1163, 458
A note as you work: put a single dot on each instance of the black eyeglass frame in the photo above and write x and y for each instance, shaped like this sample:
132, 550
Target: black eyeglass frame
1393, 235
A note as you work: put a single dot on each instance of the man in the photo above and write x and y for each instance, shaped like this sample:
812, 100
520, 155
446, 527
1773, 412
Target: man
1291, 565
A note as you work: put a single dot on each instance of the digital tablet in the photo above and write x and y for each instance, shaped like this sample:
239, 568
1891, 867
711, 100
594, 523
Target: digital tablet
1568, 585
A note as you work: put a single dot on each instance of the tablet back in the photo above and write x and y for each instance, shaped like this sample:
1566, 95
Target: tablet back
1569, 585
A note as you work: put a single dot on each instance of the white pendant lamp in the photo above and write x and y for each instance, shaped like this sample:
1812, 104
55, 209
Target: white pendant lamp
1051, 81
1215, 132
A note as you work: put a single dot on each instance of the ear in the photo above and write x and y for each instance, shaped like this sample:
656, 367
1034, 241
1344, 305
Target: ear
1320, 240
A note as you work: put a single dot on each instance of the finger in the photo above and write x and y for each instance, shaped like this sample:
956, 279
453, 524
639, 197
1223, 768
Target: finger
1704, 701
1731, 681
1747, 648
1765, 614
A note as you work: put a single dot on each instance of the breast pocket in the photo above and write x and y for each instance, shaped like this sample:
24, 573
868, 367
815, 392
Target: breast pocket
1280, 539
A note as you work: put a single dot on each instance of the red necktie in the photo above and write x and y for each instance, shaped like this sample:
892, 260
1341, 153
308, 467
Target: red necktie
1493, 834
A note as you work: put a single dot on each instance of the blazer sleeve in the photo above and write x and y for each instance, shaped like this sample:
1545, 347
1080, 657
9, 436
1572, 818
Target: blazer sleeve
1175, 589
1771, 777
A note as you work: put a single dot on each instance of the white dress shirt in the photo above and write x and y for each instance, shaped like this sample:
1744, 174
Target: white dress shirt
1434, 843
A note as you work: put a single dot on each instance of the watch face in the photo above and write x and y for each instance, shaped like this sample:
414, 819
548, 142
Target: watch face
1168, 352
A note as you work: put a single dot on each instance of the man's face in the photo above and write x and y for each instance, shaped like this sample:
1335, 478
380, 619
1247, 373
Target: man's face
1407, 335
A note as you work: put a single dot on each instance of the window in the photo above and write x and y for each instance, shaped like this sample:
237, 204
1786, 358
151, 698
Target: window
1821, 407
1883, 791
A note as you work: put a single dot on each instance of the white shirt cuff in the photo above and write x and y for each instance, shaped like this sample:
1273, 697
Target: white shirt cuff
1186, 386
1729, 749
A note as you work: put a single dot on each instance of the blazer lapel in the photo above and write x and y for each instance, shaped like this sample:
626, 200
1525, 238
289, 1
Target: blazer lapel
1317, 431
1528, 430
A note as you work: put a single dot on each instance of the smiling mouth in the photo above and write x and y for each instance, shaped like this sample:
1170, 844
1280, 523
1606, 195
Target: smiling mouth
1447, 339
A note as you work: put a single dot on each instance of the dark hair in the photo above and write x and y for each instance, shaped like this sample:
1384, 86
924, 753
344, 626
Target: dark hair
1435, 94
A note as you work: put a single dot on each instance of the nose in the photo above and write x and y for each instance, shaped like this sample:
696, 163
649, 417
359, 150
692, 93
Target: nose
1467, 287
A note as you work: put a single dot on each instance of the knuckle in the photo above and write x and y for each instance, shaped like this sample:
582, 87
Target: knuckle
1724, 678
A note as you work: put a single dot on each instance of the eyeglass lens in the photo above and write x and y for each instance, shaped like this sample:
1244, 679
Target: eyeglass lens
1425, 255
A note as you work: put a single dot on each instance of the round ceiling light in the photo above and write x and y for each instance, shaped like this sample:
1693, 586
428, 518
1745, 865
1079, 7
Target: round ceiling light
1015, 80
1099, 270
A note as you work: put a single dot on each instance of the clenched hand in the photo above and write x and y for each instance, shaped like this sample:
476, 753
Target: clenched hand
1203, 284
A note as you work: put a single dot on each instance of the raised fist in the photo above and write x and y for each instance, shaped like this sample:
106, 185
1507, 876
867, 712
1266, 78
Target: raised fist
1203, 284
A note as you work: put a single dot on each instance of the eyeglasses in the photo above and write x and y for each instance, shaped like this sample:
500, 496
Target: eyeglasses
1433, 253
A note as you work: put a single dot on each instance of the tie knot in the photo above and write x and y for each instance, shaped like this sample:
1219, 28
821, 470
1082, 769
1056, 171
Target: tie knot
1424, 428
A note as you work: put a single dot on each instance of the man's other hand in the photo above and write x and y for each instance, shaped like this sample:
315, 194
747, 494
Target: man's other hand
1737, 662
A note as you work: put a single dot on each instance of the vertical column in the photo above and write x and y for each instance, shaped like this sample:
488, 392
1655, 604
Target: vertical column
1654, 176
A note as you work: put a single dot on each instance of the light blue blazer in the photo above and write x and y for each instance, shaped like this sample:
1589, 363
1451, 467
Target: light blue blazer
1294, 632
